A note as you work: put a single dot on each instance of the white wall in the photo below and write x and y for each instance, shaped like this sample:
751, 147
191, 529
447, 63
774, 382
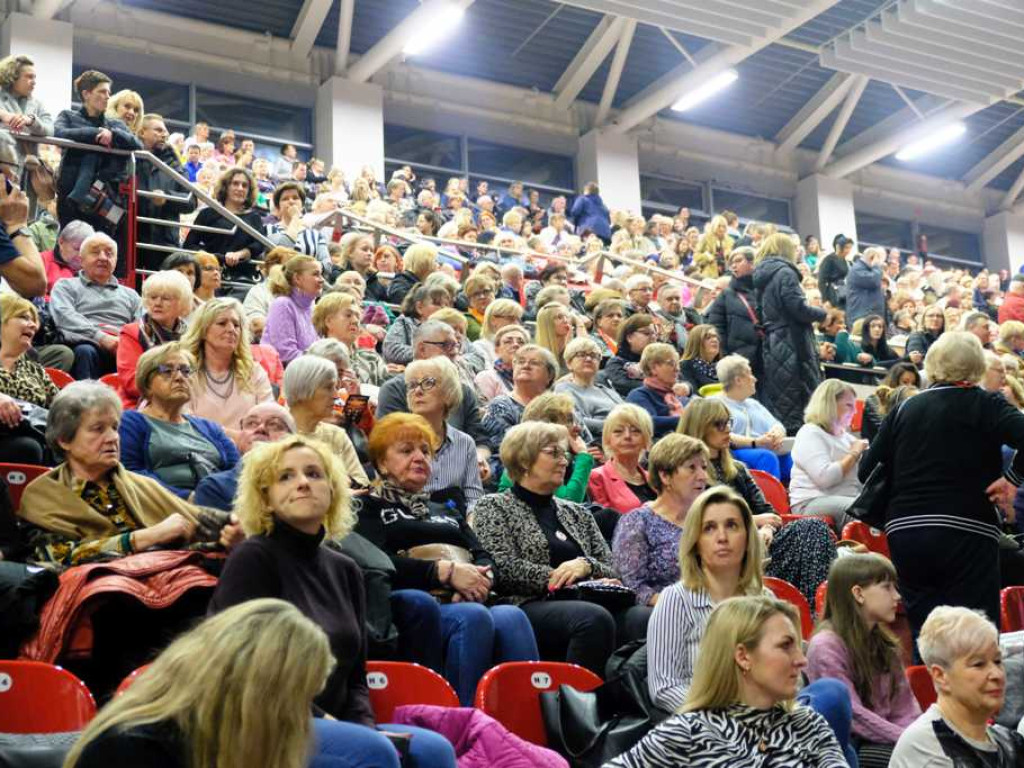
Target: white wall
824, 208
612, 160
350, 126
1004, 241
49, 45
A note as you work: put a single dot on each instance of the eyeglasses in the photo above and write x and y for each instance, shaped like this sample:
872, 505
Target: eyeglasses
556, 453
525, 362
482, 294
425, 384
722, 425
252, 423
167, 369
648, 331
592, 356
447, 346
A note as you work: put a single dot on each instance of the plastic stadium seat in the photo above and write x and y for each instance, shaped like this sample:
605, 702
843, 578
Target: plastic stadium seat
58, 377
786, 591
41, 698
819, 599
18, 476
774, 491
1011, 609
395, 683
709, 390
858, 416
872, 538
112, 381
131, 678
922, 686
510, 693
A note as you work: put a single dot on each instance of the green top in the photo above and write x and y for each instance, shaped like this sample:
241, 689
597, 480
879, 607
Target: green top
575, 489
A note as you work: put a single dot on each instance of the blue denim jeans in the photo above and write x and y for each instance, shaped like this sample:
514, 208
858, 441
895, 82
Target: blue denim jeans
350, 745
831, 699
777, 466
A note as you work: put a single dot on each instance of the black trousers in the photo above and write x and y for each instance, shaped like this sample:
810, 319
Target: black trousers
574, 631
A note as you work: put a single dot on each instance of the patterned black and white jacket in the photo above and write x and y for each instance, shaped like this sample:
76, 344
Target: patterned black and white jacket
508, 529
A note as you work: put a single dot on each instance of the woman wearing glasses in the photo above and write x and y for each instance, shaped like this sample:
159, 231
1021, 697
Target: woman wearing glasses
593, 401
159, 440
623, 369
533, 372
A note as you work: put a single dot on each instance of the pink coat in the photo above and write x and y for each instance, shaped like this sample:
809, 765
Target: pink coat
609, 490
480, 741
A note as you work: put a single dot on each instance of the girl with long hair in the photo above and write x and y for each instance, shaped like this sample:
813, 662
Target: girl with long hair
874, 348
854, 645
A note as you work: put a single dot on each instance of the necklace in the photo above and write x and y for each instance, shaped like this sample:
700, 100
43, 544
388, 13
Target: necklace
211, 381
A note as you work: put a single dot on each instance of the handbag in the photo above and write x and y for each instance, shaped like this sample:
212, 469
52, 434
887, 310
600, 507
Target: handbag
614, 597
870, 505
435, 552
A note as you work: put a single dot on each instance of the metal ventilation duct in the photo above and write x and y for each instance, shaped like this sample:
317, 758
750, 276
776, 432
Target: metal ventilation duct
967, 50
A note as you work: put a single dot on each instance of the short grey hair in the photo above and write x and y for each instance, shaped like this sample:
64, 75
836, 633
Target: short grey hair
76, 232
730, 368
443, 280
973, 319
98, 237
71, 405
170, 281
579, 346
330, 349
635, 281
546, 355
305, 375
950, 633
156, 356
430, 328
447, 379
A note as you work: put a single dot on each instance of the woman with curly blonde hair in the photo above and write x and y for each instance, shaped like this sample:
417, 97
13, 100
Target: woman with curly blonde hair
292, 496
127, 107
18, 110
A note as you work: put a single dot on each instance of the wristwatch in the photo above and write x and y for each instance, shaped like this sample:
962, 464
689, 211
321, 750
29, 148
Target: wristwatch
20, 232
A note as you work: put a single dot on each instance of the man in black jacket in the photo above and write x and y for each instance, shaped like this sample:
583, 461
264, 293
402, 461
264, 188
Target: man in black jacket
153, 135
733, 313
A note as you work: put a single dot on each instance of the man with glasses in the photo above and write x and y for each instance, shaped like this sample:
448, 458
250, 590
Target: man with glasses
149, 178
264, 423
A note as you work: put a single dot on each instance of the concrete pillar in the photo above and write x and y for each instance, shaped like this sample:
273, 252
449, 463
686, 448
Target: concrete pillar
1003, 241
824, 208
613, 161
350, 126
49, 44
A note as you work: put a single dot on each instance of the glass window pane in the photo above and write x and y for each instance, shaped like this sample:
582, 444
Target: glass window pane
952, 243
878, 230
526, 165
751, 207
167, 99
245, 115
412, 145
678, 194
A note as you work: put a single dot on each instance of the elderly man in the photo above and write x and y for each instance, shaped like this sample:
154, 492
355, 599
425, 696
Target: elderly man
673, 317
640, 292
90, 309
1012, 307
153, 135
864, 293
264, 423
979, 324
431, 339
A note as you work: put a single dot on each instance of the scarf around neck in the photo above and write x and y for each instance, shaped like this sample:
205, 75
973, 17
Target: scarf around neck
416, 502
674, 406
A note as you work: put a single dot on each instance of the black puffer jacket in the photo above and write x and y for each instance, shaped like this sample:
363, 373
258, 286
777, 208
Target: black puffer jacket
732, 320
791, 367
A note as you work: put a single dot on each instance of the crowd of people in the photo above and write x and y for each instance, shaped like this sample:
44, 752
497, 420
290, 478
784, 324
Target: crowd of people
423, 429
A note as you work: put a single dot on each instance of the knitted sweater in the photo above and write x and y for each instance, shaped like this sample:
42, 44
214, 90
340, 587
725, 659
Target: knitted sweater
289, 327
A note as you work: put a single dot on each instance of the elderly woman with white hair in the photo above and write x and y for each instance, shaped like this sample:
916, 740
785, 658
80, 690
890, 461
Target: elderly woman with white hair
310, 386
960, 649
594, 401
942, 451
756, 434
167, 301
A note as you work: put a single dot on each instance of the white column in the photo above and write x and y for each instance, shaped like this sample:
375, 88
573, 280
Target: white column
350, 126
613, 161
49, 44
824, 208
1003, 239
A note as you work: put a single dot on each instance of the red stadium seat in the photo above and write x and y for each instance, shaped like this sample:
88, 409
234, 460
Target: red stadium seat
774, 491
858, 417
819, 599
1011, 609
112, 381
922, 686
131, 678
872, 538
58, 377
510, 693
18, 476
395, 683
41, 698
786, 591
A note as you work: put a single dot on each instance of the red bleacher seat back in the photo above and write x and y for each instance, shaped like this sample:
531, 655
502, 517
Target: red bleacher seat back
58, 377
112, 381
872, 538
42, 698
786, 591
129, 679
395, 683
858, 416
1011, 609
922, 686
18, 476
820, 595
510, 693
774, 491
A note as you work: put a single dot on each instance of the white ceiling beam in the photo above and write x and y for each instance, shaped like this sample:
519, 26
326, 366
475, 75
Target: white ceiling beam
860, 82
927, 105
583, 67
600, 33
308, 24
390, 46
895, 141
993, 164
1013, 193
978, 15
611, 85
810, 116
47, 9
663, 14
345, 15
950, 21
714, 64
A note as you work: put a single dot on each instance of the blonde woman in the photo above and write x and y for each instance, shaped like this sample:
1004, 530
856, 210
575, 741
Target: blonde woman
167, 717
292, 495
554, 332
741, 706
228, 380
127, 107
714, 248
499, 313
295, 285
420, 260
336, 316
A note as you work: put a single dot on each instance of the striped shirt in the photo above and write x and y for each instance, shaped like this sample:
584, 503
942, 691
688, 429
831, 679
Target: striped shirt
455, 466
308, 242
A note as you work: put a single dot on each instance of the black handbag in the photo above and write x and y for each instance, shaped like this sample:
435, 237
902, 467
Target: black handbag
614, 597
870, 505
591, 728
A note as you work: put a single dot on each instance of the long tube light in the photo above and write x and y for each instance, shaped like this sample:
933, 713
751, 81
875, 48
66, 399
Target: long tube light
717, 83
945, 135
446, 20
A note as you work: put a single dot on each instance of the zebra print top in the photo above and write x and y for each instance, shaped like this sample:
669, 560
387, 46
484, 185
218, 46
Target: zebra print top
738, 736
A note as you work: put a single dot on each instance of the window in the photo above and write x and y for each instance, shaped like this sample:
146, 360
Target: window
751, 207
167, 99
511, 163
657, 191
879, 230
417, 147
264, 119
958, 245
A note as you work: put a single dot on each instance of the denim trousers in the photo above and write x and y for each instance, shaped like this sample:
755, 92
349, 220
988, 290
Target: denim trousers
777, 466
830, 698
349, 745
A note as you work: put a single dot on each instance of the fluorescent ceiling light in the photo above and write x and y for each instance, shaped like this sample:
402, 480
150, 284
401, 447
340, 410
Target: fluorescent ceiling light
932, 141
441, 25
710, 88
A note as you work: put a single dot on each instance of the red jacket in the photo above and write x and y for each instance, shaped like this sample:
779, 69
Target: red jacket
54, 270
609, 490
1012, 307
129, 350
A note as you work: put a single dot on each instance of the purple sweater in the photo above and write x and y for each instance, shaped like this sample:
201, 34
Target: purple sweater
289, 327
889, 715
646, 552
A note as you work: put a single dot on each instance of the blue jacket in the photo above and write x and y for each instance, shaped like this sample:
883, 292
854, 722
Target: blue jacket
590, 212
654, 404
864, 294
218, 490
136, 433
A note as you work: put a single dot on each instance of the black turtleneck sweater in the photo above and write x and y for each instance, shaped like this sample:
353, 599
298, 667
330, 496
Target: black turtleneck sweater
326, 586
561, 545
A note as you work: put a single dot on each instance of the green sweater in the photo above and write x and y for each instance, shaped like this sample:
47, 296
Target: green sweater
575, 489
